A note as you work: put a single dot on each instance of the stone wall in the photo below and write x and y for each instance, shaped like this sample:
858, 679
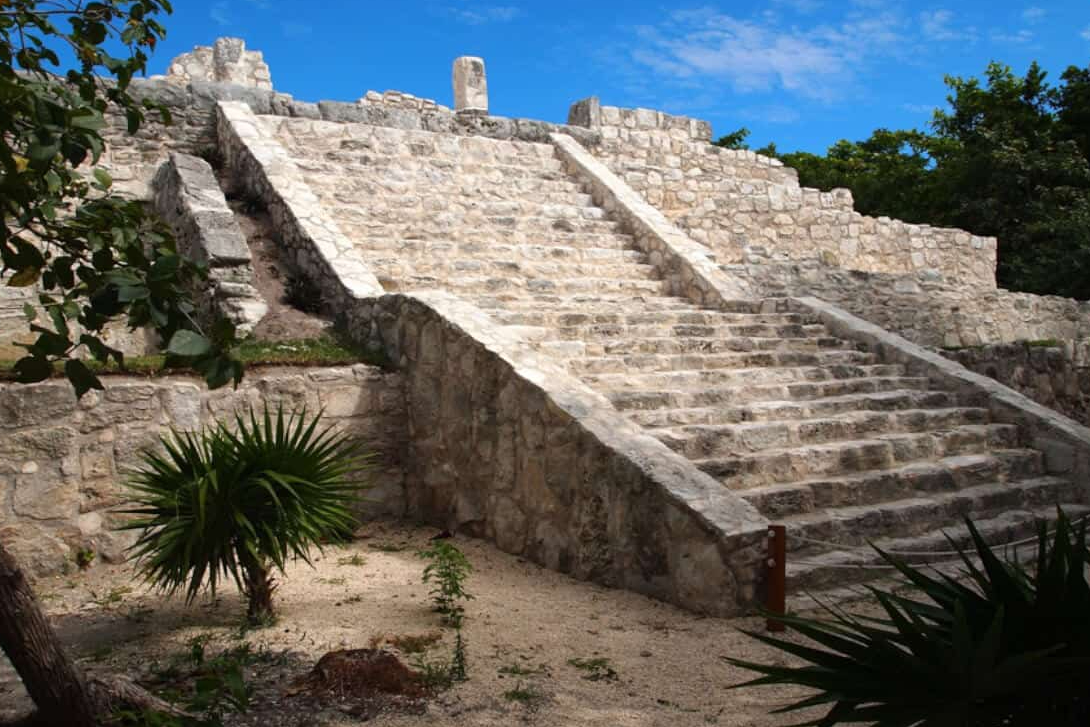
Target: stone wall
189, 198
226, 61
922, 307
1057, 376
403, 101
506, 445
748, 208
62, 461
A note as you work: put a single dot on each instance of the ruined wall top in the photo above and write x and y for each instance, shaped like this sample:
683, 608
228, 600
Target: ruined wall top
226, 61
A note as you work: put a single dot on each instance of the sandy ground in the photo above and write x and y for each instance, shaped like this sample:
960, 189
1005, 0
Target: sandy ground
668, 662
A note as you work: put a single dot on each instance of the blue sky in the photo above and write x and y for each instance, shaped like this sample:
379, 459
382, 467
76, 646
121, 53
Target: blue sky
803, 73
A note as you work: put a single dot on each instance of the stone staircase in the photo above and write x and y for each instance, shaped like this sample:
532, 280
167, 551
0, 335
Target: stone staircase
816, 433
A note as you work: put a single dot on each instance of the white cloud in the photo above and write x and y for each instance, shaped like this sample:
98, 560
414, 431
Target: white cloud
816, 62
220, 12
774, 114
938, 25
1034, 14
1086, 33
482, 15
1019, 37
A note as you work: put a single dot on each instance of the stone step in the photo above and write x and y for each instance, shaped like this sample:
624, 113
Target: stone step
832, 459
438, 208
605, 303
838, 568
393, 185
699, 361
457, 196
807, 409
369, 164
668, 312
613, 332
742, 378
678, 345
432, 249
470, 285
469, 227
454, 267
872, 486
855, 526
717, 440
648, 399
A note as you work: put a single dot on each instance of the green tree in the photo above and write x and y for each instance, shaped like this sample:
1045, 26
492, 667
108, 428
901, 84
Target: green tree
734, 140
95, 255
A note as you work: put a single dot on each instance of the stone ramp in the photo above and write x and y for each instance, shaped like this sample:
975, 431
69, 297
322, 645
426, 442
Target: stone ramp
813, 425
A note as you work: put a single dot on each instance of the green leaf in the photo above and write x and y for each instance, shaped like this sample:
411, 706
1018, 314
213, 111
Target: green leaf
83, 380
32, 369
25, 277
103, 177
188, 344
30, 312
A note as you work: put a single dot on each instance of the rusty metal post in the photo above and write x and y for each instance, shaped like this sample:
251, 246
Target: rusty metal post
776, 581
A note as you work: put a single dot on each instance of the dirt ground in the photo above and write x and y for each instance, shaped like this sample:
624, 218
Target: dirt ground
523, 628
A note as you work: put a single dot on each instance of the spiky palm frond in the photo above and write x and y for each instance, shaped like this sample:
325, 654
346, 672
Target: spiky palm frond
1011, 646
217, 501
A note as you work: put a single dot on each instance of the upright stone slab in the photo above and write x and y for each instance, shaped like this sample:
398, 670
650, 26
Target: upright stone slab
470, 85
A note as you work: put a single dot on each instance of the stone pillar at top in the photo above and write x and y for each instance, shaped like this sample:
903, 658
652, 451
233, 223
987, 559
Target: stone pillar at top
470, 85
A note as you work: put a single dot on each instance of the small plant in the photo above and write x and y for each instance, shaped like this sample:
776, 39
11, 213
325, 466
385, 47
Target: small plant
303, 294
238, 504
1010, 647
597, 669
356, 560
517, 670
446, 571
111, 598
84, 558
524, 695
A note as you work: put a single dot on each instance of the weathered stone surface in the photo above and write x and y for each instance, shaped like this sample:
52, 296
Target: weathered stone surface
226, 61
470, 85
189, 198
60, 476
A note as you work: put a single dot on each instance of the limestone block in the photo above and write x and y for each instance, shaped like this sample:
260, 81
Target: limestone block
470, 85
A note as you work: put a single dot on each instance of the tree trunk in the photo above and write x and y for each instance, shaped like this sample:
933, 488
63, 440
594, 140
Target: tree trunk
53, 681
60, 690
259, 587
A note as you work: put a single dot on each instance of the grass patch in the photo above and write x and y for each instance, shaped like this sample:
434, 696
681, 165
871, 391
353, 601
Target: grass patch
1044, 343
517, 670
356, 559
523, 695
322, 351
595, 670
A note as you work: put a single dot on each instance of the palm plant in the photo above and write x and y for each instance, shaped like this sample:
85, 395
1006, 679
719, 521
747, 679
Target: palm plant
1009, 647
240, 502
